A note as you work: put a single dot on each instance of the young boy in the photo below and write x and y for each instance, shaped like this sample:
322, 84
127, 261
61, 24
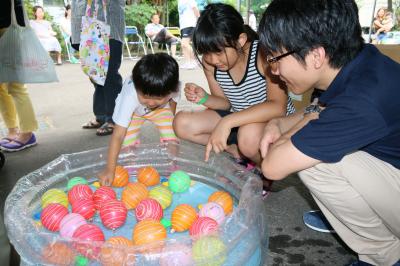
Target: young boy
151, 93
347, 148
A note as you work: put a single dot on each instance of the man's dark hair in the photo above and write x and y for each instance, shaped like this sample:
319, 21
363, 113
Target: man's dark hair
302, 25
156, 75
219, 26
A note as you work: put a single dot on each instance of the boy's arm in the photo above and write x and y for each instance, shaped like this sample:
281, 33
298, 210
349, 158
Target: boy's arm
107, 175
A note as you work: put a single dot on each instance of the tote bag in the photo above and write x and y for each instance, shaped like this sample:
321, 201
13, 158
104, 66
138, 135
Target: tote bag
94, 47
23, 58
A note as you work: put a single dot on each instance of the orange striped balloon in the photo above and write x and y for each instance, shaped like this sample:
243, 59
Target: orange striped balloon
183, 217
148, 231
121, 177
133, 194
113, 251
148, 176
224, 199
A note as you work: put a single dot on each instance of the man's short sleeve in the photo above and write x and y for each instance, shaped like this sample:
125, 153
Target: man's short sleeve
341, 129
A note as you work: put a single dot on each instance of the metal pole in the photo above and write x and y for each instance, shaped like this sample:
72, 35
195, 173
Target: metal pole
372, 23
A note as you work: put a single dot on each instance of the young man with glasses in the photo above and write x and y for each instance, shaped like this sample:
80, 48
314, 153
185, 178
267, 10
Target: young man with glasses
346, 150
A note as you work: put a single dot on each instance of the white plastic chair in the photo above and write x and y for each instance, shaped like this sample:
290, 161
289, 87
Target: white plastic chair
132, 37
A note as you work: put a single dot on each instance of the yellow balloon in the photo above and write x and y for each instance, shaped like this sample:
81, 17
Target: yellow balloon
161, 194
54, 195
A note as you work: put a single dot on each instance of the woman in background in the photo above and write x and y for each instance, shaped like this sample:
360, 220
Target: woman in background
45, 33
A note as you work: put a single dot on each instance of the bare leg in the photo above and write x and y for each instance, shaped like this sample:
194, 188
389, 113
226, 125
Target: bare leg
249, 137
59, 61
173, 50
195, 126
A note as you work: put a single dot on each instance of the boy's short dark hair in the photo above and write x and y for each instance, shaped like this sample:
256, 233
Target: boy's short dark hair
302, 25
156, 75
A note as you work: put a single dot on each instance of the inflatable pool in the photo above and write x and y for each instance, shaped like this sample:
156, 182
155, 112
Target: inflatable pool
242, 239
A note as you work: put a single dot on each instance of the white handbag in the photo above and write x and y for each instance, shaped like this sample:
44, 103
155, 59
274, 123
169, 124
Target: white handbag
94, 47
23, 58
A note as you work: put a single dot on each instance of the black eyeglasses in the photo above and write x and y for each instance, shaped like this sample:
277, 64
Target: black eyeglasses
272, 60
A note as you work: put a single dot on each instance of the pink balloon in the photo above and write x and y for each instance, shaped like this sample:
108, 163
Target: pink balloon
113, 214
176, 254
103, 194
88, 233
79, 192
149, 209
84, 207
214, 211
52, 215
203, 226
70, 223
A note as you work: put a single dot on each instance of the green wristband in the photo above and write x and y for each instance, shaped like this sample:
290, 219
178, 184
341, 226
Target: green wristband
203, 100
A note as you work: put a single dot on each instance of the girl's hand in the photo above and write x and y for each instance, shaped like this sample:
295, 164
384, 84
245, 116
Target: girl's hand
218, 139
194, 92
106, 177
271, 134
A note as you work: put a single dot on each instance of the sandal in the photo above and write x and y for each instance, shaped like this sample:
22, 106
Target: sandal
5, 141
91, 125
105, 130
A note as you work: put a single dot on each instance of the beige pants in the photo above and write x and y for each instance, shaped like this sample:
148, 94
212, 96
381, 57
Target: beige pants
360, 197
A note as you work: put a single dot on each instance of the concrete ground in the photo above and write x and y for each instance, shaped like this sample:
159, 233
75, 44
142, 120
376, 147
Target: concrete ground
63, 107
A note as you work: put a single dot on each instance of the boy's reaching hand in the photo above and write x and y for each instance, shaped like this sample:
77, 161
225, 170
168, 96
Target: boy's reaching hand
194, 92
106, 177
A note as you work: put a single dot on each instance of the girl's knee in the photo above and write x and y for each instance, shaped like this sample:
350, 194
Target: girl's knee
181, 124
248, 145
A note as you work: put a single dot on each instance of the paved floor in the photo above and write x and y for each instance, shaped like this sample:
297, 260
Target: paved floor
64, 106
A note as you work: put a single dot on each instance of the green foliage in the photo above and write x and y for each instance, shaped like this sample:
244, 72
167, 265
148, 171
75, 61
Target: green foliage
173, 13
139, 15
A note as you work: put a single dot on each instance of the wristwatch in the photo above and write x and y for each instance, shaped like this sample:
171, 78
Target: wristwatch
312, 108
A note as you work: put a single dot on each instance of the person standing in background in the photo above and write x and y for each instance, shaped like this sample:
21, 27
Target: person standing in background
15, 105
252, 20
104, 96
188, 14
65, 25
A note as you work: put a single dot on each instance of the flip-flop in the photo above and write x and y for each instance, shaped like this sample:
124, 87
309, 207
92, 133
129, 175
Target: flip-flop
91, 125
5, 141
105, 129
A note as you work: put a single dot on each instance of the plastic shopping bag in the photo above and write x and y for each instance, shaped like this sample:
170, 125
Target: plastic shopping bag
23, 58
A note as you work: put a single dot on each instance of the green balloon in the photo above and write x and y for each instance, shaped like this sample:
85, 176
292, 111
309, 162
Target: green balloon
76, 181
166, 223
81, 261
209, 250
179, 181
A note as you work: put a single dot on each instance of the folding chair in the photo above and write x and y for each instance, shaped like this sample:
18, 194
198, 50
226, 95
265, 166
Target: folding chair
68, 46
132, 37
177, 33
151, 42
